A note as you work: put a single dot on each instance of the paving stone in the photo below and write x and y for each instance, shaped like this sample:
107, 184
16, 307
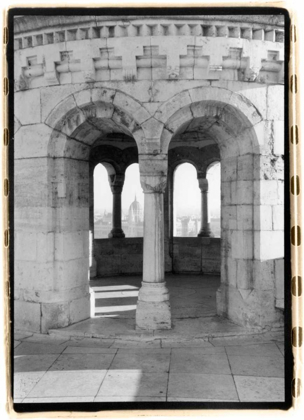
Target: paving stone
119, 344
91, 342
241, 340
134, 383
18, 335
201, 343
258, 389
203, 386
24, 382
257, 366
36, 348
195, 360
16, 343
197, 399
68, 384
254, 350
143, 359
58, 400
87, 350
18, 400
79, 362
45, 339
126, 398
34, 363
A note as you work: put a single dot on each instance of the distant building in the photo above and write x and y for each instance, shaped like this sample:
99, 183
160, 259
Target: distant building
135, 226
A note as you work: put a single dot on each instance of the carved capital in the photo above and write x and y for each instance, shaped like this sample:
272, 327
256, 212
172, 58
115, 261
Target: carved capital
153, 173
203, 184
116, 183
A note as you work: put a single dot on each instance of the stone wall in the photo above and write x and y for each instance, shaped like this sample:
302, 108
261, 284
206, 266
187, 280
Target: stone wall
190, 255
157, 84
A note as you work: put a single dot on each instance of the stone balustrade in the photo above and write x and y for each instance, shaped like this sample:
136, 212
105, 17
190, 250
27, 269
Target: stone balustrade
149, 50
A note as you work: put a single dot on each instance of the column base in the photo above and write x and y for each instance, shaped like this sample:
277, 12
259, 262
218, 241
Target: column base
116, 233
205, 233
153, 310
250, 308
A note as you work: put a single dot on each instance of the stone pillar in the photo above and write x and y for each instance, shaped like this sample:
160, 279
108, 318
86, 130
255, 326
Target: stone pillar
205, 225
153, 306
116, 187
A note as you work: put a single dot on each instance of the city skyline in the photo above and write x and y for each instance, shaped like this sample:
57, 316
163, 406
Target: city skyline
187, 197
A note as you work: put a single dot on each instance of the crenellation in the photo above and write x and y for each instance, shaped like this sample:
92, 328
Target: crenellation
219, 51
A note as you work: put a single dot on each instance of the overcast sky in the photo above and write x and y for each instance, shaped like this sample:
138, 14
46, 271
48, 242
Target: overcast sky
187, 197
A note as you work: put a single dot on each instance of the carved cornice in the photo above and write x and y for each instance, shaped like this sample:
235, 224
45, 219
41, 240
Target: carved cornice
150, 49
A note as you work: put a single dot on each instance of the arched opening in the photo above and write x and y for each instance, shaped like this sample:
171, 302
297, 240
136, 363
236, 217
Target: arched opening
103, 203
234, 126
213, 175
132, 203
186, 203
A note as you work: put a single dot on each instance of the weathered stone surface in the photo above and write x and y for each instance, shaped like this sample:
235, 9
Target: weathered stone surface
54, 316
275, 103
162, 86
268, 245
27, 316
28, 114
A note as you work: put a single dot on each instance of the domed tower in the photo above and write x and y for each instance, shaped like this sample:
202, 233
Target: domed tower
135, 219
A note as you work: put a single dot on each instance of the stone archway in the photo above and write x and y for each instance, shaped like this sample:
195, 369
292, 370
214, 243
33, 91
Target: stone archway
52, 291
247, 292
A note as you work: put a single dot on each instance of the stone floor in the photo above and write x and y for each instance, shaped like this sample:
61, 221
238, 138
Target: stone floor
104, 359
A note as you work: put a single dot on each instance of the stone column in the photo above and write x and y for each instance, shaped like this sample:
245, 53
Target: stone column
153, 306
116, 187
205, 225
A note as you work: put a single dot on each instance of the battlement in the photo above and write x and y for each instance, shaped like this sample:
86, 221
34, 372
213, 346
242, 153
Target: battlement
70, 50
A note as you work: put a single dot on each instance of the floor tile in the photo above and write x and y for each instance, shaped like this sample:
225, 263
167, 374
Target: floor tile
146, 360
24, 382
202, 386
260, 389
133, 383
79, 362
16, 343
167, 342
197, 399
120, 344
195, 360
68, 384
19, 335
88, 350
91, 342
202, 350
126, 398
243, 340
254, 350
36, 348
45, 339
34, 363
58, 400
257, 366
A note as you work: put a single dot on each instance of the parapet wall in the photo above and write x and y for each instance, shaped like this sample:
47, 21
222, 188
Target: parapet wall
95, 49
190, 255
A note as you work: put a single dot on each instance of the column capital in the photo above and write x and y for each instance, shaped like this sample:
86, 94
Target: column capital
116, 183
203, 184
153, 173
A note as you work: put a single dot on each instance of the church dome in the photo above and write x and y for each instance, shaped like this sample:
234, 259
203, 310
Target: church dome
135, 212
